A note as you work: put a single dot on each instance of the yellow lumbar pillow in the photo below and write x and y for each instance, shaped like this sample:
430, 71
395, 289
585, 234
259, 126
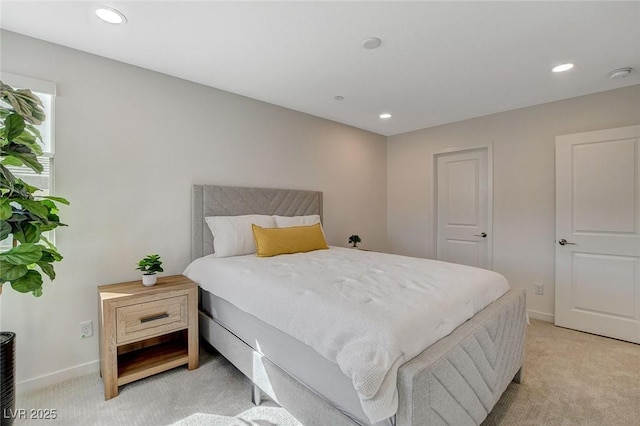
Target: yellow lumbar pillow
295, 239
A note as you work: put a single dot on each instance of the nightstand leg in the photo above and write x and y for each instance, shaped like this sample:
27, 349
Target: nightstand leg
110, 379
192, 334
109, 353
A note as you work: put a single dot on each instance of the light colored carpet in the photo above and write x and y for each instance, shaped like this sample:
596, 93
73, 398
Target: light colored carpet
571, 378
214, 394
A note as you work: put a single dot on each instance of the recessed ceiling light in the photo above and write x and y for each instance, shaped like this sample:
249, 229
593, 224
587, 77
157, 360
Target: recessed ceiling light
385, 115
371, 42
110, 15
562, 67
620, 73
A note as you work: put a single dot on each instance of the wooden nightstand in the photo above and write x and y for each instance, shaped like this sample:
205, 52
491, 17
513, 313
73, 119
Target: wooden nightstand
146, 330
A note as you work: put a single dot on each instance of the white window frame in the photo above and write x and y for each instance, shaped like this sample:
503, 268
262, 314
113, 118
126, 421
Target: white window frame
47, 88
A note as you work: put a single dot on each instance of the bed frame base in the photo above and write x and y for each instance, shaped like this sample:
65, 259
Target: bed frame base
519, 377
256, 395
458, 380
301, 402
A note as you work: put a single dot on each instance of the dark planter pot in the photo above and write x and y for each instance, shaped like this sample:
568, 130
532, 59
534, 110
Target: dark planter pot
7, 377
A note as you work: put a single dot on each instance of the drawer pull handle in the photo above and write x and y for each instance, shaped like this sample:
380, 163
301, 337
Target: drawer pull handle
154, 317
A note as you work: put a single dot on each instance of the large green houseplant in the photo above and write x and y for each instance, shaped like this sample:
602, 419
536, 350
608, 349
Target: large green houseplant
25, 252
24, 215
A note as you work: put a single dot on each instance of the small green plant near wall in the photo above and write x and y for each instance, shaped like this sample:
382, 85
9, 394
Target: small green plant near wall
24, 215
150, 264
354, 240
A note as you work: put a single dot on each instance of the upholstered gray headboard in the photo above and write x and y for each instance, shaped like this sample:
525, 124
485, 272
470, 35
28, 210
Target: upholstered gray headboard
212, 200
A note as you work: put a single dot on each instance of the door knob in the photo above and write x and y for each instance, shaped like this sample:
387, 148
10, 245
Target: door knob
483, 235
564, 242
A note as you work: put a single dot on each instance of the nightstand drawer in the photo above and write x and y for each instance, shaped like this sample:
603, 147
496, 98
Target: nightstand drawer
149, 319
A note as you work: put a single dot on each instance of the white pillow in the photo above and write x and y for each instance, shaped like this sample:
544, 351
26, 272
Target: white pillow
287, 221
233, 235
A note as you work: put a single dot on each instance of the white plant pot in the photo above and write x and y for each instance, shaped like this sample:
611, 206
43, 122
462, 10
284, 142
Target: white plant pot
149, 279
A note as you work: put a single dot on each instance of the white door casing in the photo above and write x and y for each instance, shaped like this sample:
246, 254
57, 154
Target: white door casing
463, 207
598, 232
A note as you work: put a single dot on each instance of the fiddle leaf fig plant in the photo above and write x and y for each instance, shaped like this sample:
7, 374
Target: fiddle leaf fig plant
24, 215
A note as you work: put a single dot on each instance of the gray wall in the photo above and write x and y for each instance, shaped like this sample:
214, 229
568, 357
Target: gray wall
129, 145
523, 143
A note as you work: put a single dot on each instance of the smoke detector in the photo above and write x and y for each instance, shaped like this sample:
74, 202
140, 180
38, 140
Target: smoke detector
371, 42
620, 73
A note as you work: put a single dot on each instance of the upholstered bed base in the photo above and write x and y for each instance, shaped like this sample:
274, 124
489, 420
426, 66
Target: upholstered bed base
292, 395
457, 380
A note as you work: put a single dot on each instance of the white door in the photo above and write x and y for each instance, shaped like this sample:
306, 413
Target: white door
598, 232
463, 208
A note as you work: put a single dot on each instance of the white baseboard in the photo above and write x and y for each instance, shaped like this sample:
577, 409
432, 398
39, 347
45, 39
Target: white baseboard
57, 377
543, 316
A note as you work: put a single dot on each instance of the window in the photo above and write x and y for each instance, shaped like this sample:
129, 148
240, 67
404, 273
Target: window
42, 180
45, 90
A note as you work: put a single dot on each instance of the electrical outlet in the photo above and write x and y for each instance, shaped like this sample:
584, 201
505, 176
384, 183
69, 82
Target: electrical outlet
86, 329
539, 288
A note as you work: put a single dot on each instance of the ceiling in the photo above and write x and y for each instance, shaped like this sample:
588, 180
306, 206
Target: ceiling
439, 62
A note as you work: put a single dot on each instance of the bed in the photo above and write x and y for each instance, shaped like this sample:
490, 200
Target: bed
456, 380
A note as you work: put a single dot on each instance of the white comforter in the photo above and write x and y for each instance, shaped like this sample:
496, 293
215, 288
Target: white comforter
368, 312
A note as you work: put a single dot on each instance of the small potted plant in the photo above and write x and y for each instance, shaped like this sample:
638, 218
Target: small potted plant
149, 266
354, 239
